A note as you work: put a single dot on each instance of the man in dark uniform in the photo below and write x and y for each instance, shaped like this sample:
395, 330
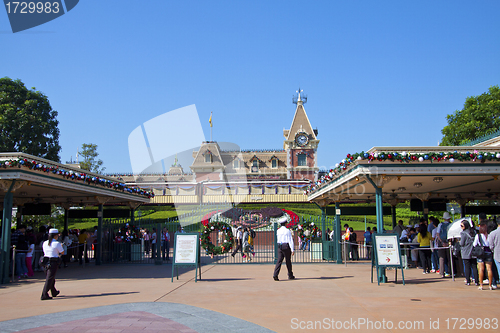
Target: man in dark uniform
285, 249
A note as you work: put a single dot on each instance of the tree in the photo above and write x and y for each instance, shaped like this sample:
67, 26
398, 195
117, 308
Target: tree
89, 154
27, 122
480, 116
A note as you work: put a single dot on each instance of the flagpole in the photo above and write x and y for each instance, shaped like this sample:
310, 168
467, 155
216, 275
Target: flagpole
210, 126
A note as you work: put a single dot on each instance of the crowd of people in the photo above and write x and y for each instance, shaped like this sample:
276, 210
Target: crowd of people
152, 239
429, 248
78, 245
426, 246
351, 242
155, 244
28, 246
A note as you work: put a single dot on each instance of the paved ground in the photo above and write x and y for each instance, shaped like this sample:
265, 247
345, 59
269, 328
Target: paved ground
245, 298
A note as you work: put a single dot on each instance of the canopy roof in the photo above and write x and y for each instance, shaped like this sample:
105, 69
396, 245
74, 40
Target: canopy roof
455, 173
38, 180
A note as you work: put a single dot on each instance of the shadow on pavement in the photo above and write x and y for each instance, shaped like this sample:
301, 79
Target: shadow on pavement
228, 279
325, 277
96, 295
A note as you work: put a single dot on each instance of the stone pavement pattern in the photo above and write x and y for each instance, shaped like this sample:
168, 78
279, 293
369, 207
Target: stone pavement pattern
121, 322
245, 298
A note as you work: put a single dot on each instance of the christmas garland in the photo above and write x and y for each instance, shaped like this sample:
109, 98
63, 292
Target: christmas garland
307, 226
207, 244
69, 174
402, 157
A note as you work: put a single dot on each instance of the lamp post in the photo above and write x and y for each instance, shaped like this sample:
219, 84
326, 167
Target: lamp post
452, 211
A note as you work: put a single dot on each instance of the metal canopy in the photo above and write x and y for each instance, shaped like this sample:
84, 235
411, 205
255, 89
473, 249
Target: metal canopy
458, 180
450, 173
38, 186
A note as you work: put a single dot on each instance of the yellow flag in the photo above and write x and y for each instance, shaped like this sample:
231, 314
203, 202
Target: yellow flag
210, 120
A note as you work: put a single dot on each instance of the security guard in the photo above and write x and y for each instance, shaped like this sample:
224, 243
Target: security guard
52, 250
285, 249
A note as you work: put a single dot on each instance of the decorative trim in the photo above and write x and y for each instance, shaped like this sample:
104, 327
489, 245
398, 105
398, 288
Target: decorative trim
75, 176
403, 157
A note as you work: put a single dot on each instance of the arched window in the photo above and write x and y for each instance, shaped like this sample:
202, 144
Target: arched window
301, 159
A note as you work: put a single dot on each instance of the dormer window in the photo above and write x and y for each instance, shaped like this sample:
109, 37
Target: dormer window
274, 162
255, 163
236, 163
208, 156
255, 166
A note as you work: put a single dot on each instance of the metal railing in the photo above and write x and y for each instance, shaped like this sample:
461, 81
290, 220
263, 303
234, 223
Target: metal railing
118, 247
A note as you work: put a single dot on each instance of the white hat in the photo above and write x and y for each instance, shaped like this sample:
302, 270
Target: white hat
446, 216
53, 231
282, 219
416, 226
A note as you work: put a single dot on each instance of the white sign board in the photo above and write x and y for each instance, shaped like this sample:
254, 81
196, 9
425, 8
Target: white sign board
185, 249
387, 250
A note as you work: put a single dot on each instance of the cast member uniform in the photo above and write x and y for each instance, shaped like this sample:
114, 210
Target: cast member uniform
285, 250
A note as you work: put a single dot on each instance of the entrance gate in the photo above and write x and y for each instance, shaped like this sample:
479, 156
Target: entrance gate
123, 243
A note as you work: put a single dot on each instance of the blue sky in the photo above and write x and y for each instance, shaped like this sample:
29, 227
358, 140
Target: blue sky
376, 73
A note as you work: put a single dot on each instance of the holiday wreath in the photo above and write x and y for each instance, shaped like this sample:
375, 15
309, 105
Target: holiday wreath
307, 226
207, 244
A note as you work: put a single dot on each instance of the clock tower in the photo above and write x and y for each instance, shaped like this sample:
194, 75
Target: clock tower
301, 144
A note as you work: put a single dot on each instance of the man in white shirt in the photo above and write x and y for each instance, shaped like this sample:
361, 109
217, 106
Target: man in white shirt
285, 249
239, 242
405, 234
399, 228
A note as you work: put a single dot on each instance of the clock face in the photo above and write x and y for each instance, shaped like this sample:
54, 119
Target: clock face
301, 139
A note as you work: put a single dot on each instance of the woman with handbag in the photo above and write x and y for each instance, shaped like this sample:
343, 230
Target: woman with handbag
486, 259
52, 250
466, 240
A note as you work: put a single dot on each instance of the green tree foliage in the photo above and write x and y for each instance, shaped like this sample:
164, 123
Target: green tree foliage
90, 162
480, 116
27, 122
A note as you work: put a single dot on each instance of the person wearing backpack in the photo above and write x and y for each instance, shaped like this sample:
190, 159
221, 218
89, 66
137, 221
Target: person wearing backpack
442, 243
